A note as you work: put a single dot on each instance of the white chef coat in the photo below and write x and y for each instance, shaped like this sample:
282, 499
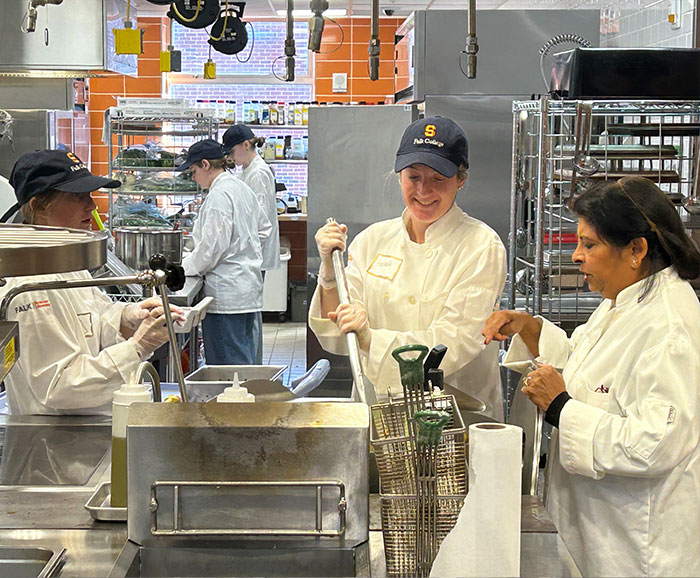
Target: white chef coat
228, 234
72, 356
625, 489
440, 291
258, 176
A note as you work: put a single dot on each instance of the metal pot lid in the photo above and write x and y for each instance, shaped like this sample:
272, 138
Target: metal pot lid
140, 229
38, 250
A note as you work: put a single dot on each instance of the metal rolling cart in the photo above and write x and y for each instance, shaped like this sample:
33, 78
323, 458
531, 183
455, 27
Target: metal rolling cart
423, 477
146, 140
559, 148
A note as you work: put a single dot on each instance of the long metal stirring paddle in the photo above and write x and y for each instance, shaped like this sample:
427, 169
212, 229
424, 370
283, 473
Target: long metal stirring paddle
362, 389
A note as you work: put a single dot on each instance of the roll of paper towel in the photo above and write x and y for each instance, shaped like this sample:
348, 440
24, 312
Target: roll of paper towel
486, 538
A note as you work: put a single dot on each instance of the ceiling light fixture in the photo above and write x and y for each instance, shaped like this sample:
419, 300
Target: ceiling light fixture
332, 12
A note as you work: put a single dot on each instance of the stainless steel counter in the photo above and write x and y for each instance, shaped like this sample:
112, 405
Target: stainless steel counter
186, 296
52, 515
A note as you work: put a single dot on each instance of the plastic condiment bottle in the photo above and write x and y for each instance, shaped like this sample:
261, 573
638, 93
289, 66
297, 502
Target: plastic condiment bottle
123, 398
235, 394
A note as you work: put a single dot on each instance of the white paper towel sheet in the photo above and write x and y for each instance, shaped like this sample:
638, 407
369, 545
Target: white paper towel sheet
486, 538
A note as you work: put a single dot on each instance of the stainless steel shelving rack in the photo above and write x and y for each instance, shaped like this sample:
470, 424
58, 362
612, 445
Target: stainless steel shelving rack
153, 177
656, 139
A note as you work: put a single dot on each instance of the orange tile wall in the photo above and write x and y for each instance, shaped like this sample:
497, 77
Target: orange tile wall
105, 90
352, 57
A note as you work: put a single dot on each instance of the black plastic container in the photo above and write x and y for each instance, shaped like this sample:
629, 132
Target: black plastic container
634, 73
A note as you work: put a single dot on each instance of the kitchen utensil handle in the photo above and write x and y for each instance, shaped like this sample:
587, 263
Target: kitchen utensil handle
353, 344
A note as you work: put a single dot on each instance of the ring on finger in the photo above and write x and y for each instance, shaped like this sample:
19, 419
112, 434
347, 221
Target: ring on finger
526, 381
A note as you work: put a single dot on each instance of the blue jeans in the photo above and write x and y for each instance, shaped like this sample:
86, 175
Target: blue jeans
228, 338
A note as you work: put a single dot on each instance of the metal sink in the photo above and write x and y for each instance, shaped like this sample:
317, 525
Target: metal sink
241, 559
26, 562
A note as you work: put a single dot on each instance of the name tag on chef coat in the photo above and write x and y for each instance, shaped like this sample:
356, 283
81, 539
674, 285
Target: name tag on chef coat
385, 266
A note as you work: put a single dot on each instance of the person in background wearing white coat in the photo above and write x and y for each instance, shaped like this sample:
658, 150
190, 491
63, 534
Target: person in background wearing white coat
625, 472
239, 145
77, 346
431, 276
228, 236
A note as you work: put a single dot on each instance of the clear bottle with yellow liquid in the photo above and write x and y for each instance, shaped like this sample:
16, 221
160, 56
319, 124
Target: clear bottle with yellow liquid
123, 398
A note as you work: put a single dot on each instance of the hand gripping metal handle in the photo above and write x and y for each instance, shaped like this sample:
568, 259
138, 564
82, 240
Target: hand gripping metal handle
360, 383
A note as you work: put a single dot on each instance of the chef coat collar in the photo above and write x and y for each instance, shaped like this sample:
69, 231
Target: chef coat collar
217, 178
440, 228
256, 159
630, 295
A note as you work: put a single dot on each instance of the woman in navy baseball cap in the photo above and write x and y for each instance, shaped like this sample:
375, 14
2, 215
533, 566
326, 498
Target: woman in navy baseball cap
78, 346
430, 276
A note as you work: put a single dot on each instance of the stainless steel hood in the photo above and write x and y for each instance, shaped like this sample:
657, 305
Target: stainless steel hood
75, 36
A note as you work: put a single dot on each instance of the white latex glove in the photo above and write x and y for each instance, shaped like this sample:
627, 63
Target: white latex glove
133, 314
353, 317
152, 332
330, 236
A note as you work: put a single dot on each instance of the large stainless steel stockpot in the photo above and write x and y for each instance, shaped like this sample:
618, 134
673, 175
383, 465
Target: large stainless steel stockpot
135, 245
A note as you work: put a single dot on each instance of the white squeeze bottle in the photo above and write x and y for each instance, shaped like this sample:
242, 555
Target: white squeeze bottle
235, 394
123, 398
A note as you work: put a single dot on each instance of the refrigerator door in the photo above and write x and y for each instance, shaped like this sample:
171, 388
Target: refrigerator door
38, 128
488, 124
351, 178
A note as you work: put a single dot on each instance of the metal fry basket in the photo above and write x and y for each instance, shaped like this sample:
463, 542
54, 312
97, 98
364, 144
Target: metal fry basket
399, 525
409, 522
393, 449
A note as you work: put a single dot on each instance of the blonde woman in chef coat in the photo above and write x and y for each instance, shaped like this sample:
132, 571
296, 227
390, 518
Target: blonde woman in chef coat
625, 478
77, 346
431, 276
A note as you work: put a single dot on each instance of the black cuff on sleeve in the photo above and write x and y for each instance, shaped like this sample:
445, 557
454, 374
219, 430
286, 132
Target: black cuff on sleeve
554, 409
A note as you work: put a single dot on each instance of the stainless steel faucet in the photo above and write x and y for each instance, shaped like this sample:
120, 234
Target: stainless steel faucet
145, 367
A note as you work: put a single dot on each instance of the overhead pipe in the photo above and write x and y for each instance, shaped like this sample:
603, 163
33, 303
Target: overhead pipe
374, 42
472, 46
316, 23
289, 46
31, 15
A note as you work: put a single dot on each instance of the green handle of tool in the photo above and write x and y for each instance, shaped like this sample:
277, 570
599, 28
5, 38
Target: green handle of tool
430, 425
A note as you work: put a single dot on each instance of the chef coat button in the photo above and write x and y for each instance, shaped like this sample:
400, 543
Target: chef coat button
430, 253
412, 300
385, 296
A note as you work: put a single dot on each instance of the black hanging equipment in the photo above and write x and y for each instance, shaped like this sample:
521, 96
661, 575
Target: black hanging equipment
229, 34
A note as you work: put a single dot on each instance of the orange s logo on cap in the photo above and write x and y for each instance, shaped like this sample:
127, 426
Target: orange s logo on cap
429, 130
72, 157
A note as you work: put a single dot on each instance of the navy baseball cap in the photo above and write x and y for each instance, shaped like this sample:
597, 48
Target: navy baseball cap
207, 149
236, 134
437, 142
45, 170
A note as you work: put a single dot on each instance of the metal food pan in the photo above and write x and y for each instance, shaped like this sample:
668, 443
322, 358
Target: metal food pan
99, 508
210, 380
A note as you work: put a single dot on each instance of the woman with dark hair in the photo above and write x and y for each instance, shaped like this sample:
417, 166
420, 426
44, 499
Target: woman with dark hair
625, 474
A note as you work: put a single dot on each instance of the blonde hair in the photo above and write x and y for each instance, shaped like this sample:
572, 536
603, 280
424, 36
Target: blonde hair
214, 163
32, 212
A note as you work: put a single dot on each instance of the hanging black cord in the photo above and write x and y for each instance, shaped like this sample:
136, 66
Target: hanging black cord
252, 44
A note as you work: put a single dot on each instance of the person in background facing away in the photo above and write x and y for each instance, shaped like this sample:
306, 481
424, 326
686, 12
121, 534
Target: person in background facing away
431, 276
625, 469
239, 145
228, 236
77, 347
